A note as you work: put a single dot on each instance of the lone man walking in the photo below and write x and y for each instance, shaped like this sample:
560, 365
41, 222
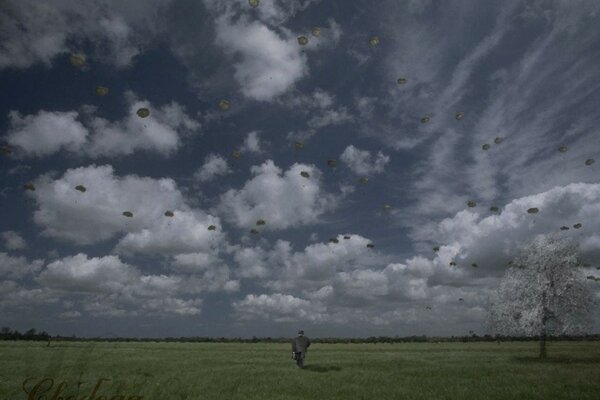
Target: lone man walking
300, 345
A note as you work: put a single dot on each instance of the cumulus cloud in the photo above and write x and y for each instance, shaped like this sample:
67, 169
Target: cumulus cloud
252, 143
114, 288
283, 199
83, 133
277, 307
214, 166
82, 274
36, 32
560, 206
12, 240
46, 132
18, 267
362, 162
269, 64
160, 132
185, 232
96, 215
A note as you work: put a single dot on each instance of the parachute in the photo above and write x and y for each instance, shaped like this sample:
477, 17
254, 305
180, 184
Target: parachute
425, 119
81, 188
316, 31
459, 115
387, 207
77, 60
299, 145
235, 154
460, 299
253, 3
533, 210
224, 105
593, 278
577, 226
333, 240
253, 231
143, 112
101, 90
563, 149
452, 264
6, 150
370, 245
564, 228
364, 180
428, 308
436, 248
260, 222
346, 237
302, 40
471, 203
169, 214
494, 209
401, 81
498, 140
212, 227
128, 214
374, 41
331, 163
29, 186
485, 146
589, 161
305, 174
474, 265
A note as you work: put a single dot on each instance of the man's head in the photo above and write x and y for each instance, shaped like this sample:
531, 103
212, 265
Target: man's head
300, 333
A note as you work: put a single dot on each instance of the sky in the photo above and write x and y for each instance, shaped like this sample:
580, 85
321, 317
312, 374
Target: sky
357, 174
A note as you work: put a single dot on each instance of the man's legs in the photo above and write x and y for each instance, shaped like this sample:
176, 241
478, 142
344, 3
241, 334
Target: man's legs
300, 360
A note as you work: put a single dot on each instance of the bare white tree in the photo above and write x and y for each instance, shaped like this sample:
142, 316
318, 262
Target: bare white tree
543, 293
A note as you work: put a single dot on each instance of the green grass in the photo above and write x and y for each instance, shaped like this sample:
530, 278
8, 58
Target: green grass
264, 371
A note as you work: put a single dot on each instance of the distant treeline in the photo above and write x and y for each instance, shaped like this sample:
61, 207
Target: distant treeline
8, 334
32, 334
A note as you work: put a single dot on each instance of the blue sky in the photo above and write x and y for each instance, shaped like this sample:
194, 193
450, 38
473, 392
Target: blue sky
71, 262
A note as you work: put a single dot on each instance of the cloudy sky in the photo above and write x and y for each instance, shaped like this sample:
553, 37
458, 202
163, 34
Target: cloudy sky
322, 141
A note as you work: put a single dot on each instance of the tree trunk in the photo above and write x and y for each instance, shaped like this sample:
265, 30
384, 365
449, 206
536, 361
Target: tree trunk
543, 346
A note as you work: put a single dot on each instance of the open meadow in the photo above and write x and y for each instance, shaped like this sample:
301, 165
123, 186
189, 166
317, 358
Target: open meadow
261, 371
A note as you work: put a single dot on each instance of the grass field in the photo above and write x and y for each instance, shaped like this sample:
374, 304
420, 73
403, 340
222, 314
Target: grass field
266, 371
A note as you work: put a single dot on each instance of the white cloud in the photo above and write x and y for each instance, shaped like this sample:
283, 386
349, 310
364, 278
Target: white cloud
276, 12
193, 262
282, 199
362, 162
82, 274
269, 64
18, 267
492, 240
12, 240
185, 232
158, 132
318, 108
46, 132
96, 215
111, 287
252, 143
329, 117
214, 166
49, 132
36, 32
277, 307
14, 299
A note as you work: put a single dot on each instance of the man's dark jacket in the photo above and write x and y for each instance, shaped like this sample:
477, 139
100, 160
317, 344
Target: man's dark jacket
300, 344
